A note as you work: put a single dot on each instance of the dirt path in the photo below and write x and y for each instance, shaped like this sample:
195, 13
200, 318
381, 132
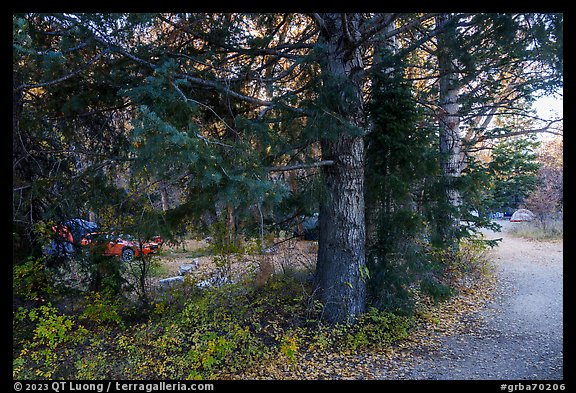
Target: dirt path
519, 335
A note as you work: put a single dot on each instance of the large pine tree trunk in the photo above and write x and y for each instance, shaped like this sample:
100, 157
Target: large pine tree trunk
451, 157
341, 259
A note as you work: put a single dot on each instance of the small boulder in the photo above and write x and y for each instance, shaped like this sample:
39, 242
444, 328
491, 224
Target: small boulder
170, 282
188, 268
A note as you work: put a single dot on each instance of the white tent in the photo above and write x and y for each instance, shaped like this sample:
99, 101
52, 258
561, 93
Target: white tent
522, 215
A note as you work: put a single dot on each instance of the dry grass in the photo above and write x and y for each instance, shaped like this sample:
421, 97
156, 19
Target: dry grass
288, 256
540, 231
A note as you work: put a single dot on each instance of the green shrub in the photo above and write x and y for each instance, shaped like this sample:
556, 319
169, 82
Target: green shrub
101, 311
214, 333
29, 279
54, 336
289, 343
436, 289
376, 329
473, 257
448, 268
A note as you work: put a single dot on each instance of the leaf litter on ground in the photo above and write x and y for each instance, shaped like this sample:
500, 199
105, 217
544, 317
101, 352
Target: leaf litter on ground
432, 322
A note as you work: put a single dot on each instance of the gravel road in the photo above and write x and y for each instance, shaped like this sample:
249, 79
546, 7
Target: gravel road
518, 335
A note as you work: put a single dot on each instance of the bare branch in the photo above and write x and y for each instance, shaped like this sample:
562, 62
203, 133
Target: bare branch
186, 99
65, 77
547, 129
228, 91
300, 166
319, 20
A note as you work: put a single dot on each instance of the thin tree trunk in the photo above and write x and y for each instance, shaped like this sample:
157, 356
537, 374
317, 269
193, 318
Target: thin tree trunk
164, 195
230, 224
341, 253
291, 177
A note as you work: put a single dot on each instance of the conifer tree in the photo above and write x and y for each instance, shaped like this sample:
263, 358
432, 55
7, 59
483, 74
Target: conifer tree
401, 163
486, 68
514, 170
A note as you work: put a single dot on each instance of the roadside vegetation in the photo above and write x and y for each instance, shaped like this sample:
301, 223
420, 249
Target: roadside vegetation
547, 230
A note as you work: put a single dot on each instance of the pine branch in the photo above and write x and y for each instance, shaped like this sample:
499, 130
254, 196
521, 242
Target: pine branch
186, 99
90, 113
208, 83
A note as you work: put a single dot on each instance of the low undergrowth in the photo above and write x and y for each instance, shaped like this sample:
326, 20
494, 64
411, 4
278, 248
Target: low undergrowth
234, 331
209, 334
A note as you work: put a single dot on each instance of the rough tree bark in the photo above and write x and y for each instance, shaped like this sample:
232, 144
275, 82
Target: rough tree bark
341, 259
451, 152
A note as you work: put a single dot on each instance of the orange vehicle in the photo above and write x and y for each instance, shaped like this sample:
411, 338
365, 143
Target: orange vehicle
123, 246
76, 234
